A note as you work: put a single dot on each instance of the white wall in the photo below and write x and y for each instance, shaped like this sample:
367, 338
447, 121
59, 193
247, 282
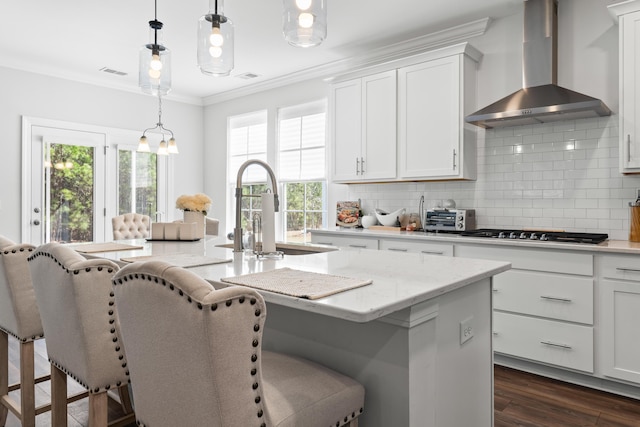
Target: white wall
29, 94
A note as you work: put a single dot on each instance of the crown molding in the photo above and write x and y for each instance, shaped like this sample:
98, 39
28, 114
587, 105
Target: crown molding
372, 58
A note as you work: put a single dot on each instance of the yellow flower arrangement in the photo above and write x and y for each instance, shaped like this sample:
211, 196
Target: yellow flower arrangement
198, 203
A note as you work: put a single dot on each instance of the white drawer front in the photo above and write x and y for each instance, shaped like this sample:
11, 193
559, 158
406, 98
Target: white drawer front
427, 248
624, 267
555, 296
344, 241
533, 259
546, 341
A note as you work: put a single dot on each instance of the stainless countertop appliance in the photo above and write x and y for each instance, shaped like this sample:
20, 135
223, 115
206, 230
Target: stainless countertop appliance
538, 235
449, 220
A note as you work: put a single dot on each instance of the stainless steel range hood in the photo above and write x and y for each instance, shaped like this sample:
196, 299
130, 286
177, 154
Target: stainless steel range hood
541, 100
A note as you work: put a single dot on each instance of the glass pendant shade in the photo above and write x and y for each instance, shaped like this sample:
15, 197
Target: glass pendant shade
154, 71
172, 148
304, 22
215, 41
143, 145
162, 148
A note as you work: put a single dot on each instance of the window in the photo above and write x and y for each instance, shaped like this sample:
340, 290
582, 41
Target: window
247, 140
302, 169
137, 182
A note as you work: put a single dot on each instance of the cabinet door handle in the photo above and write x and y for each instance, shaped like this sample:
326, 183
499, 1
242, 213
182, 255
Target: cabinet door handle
398, 249
362, 165
634, 270
557, 345
326, 243
358, 246
559, 299
432, 252
628, 147
454, 159
495, 290
495, 333
357, 166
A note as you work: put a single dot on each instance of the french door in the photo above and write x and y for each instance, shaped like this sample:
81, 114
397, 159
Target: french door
77, 177
67, 188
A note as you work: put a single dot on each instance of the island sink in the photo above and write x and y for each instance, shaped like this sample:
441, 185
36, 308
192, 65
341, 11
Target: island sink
294, 249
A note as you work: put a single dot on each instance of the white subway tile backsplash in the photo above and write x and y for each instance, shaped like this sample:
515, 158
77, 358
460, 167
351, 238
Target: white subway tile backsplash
555, 175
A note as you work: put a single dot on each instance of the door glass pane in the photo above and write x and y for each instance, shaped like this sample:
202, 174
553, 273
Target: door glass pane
69, 193
137, 183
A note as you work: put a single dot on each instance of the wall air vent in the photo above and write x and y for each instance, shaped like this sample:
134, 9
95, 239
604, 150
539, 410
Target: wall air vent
112, 71
247, 76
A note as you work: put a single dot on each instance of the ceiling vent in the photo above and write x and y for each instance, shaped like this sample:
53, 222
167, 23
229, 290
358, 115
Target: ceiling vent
247, 76
112, 71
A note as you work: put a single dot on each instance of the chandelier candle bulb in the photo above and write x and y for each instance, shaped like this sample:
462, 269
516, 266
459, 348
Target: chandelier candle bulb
268, 223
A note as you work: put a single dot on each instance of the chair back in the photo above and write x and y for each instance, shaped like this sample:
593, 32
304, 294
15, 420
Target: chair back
131, 226
78, 315
194, 353
19, 315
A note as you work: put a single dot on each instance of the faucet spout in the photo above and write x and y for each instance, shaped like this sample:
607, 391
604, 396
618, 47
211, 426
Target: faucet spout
237, 231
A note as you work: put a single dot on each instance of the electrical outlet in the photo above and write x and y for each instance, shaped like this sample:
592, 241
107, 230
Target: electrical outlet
466, 330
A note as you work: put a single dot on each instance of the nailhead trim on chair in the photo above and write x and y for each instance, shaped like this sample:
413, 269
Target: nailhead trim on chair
111, 322
213, 307
13, 334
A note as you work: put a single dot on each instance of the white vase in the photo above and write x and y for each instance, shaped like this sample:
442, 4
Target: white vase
199, 219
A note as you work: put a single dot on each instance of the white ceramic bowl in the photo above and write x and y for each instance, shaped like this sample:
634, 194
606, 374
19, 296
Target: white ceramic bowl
390, 219
368, 220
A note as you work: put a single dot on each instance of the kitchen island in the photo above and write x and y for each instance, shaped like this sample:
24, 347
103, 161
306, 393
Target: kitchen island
418, 338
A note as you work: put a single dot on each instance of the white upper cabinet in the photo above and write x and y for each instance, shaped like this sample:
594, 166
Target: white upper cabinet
432, 96
628, 14
404, 120
363, 117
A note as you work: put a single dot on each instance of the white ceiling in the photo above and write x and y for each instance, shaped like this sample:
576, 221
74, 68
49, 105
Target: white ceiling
74, 39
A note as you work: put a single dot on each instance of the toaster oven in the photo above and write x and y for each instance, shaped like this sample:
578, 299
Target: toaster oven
450, 220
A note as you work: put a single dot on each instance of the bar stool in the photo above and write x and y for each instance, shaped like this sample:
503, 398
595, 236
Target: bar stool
20, 318
195, 357
82, 330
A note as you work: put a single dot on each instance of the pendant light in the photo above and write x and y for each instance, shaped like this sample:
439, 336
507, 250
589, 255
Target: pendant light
154, 73
215, 41
165, 148
304, 22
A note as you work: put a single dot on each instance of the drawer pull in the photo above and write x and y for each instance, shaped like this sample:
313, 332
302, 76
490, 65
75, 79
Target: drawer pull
398, 249
358, 246
326, 243
559, 299
555, 344
634, 270
495, 334
432, 252
496, 290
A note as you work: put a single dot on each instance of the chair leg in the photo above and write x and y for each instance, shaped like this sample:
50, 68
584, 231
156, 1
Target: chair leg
98, 404
27, 385
125, 399
58, 397
4, 374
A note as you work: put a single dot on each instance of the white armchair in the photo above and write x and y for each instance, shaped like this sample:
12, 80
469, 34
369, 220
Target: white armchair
131, 226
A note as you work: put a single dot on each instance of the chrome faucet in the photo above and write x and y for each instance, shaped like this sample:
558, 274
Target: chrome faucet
237, 231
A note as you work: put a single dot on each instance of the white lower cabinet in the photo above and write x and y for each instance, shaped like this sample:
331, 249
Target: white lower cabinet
620, 317
427, 248
345, 241
543, 340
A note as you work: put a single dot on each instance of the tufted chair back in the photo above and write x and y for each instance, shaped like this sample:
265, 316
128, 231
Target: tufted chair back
196, 359
131, 226
19, 315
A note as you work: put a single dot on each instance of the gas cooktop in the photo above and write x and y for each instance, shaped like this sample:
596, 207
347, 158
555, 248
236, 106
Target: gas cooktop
541, 235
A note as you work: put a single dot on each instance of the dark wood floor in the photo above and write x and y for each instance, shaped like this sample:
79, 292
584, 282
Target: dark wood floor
521, 399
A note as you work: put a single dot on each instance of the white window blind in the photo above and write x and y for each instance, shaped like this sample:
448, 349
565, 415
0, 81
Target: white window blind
302, 136
247, 140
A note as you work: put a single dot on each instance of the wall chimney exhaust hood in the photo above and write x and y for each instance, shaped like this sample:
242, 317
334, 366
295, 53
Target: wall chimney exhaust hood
541, 100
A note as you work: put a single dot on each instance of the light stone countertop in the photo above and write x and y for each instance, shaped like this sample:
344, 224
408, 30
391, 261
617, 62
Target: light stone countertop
400, 280
608, 246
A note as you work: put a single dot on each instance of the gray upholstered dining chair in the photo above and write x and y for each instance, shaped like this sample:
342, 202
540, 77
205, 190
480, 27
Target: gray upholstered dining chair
195, 358
131, 226
19, 317
81, 326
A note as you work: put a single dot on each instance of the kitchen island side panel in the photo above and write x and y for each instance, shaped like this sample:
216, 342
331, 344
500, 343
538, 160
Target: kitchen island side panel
414, 369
